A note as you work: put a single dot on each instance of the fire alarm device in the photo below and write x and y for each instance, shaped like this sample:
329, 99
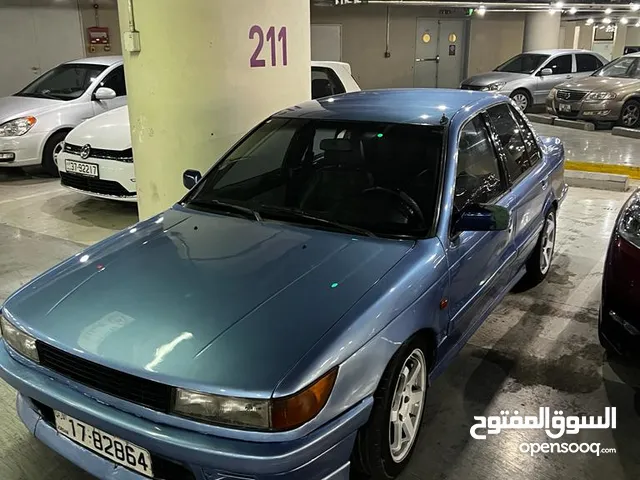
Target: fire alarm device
98, 35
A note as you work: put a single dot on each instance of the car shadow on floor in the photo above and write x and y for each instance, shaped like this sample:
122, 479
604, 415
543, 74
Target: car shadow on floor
86, 211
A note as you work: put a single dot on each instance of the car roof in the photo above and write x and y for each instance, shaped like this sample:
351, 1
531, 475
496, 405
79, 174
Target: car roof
107, 60
555, 51
418, 106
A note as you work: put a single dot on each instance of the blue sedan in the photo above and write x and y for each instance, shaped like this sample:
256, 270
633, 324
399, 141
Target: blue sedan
285, 319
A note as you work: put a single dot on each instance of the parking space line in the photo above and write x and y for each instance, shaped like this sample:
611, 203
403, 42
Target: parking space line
630, 170
33, 195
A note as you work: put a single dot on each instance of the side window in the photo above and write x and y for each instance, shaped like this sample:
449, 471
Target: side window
530, 142
115, 81
560, 65
587, 62
508, 132
324, 83
478, 174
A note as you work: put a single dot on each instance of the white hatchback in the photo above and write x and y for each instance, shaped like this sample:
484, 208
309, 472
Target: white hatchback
97, 158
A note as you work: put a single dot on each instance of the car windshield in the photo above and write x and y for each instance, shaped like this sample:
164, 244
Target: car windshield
64, 82
379, 179
523, 63
623, 67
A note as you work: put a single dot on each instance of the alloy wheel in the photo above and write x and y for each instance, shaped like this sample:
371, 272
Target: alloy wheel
56, 151
407, 406
630, 115
548, 244
521, 100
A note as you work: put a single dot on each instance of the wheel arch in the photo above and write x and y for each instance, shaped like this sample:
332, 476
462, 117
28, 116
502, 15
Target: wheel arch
61, 129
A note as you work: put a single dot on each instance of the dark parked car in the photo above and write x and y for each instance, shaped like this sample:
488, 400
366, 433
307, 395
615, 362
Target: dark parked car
619, 325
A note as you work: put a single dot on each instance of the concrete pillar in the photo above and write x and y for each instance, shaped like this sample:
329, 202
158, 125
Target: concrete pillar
541, 31
200, 81
619, 42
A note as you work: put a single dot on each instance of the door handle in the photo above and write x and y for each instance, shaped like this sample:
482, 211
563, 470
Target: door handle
434, 59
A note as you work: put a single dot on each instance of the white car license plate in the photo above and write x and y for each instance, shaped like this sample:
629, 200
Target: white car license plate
564, 107
113, 448
82, 168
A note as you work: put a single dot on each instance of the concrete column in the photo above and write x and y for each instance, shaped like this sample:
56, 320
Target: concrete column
619, 42
200, 81
541, 31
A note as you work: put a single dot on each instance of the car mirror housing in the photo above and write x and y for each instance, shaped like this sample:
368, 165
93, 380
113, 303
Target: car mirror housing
104, 93
190, 178
483, 218
545, 72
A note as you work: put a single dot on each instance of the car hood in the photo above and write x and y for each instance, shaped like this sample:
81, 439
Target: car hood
602, 84
215, 303
109, 131
485, 79
16, 107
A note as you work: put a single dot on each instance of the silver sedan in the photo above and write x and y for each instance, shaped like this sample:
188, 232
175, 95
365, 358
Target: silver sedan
528, 77
35, 121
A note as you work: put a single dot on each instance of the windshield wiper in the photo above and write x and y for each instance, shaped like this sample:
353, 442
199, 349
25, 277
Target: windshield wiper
300, 215
218, 206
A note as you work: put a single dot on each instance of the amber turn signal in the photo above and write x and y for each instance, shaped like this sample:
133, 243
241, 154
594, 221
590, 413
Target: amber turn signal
291, 412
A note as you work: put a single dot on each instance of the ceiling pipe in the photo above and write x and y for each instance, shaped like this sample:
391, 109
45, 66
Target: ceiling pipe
488, 4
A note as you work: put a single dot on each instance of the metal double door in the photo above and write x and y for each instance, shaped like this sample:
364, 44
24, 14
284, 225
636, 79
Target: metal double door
440, 53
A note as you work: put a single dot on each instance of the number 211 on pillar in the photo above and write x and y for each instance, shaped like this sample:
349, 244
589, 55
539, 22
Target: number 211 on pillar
257, 33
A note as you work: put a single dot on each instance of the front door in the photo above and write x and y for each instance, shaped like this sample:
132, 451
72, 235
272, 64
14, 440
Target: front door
440, 51
562, 70
481, 263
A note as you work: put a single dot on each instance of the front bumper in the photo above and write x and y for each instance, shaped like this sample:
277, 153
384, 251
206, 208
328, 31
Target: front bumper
321, 455
604, 111
116, 179
25, 150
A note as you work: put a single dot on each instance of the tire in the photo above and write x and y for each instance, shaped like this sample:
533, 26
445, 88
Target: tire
539, 262
49, 152
374, 454
630, 114
522, 98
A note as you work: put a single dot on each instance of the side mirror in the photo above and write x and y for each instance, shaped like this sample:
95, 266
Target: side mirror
483, 218
104, 93
190, 178
545, 72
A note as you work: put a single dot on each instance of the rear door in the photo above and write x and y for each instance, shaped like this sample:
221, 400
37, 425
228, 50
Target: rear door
522, 158
480, 262
586, 64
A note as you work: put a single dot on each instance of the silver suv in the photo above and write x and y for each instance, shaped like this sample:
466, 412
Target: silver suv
528, 77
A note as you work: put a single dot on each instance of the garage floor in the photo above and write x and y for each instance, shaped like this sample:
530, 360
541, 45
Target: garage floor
594, 147
538, 349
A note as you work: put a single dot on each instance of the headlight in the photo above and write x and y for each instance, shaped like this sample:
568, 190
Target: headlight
599, 96
17, 127
495, 86
629, 226
274, 414
20, 341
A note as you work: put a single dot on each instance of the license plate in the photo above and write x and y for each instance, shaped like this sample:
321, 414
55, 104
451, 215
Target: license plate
82, 168
113, 448
564, 107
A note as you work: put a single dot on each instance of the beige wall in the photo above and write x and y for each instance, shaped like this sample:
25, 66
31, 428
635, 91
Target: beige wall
494, 40
108, 17
363, 41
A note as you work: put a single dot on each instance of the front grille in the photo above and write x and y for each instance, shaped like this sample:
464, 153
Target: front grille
164, 468
117, 155
573, 114
147, 393
476, 88
95, 185
570, 95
